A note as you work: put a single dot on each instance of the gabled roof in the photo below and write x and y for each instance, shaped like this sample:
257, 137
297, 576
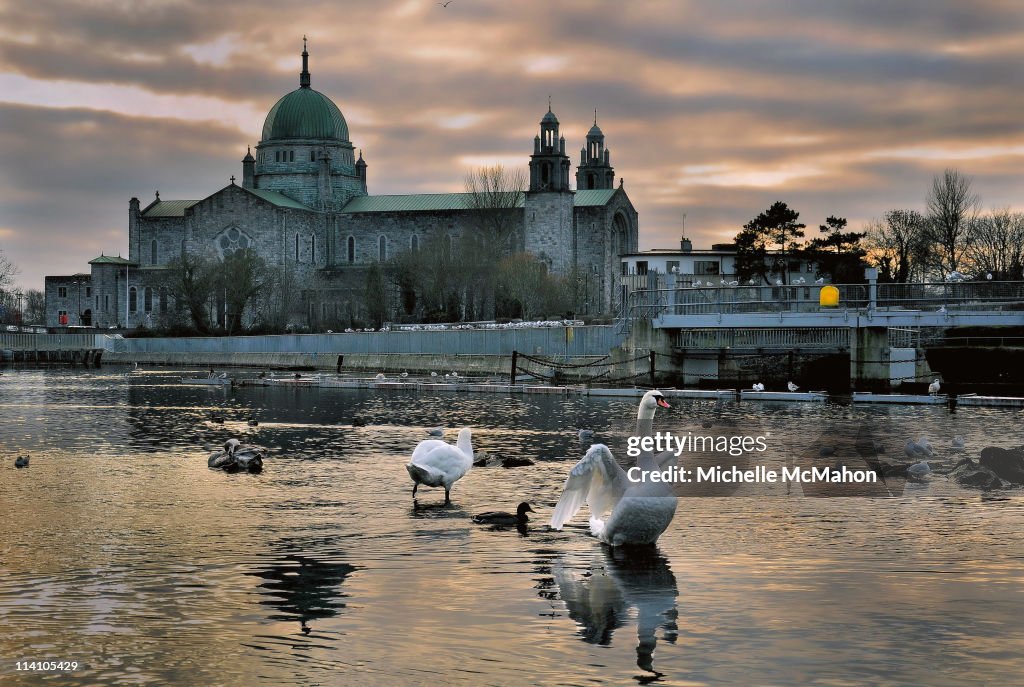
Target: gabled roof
592, 197
419, 202
278, 199
110, 260
168, 208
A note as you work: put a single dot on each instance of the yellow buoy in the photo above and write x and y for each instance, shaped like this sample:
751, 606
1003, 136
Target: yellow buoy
828, 297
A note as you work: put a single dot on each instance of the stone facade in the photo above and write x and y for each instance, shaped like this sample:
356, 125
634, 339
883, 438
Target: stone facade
303, 207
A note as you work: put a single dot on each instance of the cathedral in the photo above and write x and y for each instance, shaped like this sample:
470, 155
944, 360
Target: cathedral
303, 205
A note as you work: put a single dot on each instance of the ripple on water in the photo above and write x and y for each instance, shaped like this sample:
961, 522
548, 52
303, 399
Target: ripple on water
122, 550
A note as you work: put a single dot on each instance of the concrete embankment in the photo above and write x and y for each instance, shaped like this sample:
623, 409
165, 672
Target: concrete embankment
377, 362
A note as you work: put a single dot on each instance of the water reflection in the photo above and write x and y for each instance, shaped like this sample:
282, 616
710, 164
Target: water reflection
599, 595
303, 588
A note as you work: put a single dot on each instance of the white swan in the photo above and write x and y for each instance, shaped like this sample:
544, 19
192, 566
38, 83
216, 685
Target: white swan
435, 463
622, 512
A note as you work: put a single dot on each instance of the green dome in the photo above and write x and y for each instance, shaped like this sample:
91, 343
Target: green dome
305, 113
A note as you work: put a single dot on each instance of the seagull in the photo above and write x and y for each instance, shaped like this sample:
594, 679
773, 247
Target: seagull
734, 283
433, 374
445, 4
778, 282
435, 431
791, 386
933, 388
751, 282
819, 280
958, 443
380, 376
404, 375
989, 276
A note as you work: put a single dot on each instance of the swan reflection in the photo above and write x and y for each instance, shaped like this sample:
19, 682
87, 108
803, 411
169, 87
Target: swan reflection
600, 595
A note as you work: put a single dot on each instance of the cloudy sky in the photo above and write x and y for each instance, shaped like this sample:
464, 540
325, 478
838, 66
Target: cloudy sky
712, 109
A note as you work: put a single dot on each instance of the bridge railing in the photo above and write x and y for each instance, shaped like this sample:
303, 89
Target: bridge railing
804, 298
985, 295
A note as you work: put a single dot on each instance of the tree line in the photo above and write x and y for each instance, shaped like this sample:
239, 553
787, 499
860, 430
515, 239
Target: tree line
951, 238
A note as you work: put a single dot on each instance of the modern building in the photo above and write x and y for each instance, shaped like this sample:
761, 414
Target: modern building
303, 205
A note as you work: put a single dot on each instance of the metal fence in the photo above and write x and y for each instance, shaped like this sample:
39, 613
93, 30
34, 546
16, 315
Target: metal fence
705, 300
764, 338
23, 341
568, 341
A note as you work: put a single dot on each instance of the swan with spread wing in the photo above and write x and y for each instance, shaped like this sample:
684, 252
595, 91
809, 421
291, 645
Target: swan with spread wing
622, 512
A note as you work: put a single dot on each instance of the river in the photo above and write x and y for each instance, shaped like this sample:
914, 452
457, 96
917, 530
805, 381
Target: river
121, 551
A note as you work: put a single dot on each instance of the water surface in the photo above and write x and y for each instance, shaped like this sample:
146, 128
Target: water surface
121, 550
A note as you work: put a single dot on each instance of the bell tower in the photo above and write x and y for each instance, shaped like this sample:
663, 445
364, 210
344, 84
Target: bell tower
595, 170
548, 205
549, 165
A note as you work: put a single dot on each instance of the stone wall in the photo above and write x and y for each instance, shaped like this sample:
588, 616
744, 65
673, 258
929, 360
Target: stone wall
548, 226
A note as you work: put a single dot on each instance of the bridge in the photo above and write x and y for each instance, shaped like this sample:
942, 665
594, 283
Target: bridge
883, 327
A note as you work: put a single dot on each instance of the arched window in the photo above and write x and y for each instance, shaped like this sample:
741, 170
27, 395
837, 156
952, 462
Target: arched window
351, 249
414, 242
152, 252
296, 247
312, 156
133, 300
590, 181
545, 173
312, 248
147, 299
291, 156
163, 299
382, 248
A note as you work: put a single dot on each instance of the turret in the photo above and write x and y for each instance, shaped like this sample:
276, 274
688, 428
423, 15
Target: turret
595, 170
361, 170
248, 169
549, 165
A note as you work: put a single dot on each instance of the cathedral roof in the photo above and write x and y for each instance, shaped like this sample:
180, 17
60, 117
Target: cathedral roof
168, 208
305, 113
591, 197
419, 202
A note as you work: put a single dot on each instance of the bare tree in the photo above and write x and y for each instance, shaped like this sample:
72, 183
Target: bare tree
35, 307
8, 272
895, 245
241, 277
952, 209
493, 196
192, 279
527, 288
997, 244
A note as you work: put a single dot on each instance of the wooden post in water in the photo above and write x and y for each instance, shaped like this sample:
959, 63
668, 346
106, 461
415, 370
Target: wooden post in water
512, 374
652, 356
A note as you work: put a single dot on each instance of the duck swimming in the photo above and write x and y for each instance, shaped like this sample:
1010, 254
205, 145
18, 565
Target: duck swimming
21, 462
502, 518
